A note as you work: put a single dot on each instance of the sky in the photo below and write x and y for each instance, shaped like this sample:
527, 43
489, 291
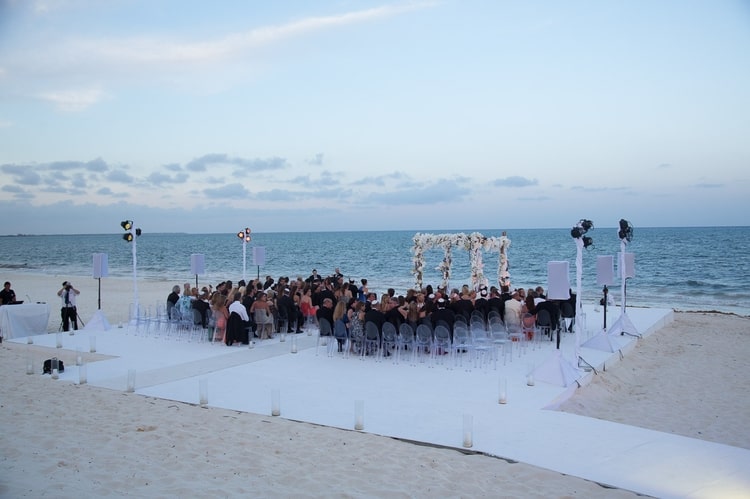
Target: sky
187, 116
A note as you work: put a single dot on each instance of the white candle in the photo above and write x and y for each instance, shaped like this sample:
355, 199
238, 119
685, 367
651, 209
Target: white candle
502, 391
203, 392
82, 377
294, 344
275, 402
58, 340
131, 381
359, 414
468, 430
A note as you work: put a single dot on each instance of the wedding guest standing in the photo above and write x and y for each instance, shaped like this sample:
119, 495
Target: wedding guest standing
68, 311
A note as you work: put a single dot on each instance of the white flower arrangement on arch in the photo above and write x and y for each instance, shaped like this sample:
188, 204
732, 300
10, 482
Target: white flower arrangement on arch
475, 243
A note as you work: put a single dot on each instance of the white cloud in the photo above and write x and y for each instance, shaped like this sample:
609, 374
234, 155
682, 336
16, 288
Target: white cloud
73, 100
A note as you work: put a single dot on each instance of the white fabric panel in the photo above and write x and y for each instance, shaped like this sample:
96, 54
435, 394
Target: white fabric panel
558, 281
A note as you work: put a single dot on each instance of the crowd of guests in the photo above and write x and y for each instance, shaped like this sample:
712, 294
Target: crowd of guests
260, 308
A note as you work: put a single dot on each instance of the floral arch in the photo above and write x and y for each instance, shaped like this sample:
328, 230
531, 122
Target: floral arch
474, 243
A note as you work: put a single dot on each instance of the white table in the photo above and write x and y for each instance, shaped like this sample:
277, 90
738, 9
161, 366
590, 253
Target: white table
24, 319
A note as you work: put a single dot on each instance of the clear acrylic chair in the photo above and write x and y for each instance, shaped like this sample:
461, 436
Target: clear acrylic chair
371, 344
462, 346
422, 342
482, 347
325, 334
341, 335
389, 341
442, 344
405, 340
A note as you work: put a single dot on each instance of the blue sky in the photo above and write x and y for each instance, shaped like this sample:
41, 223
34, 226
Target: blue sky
357, 115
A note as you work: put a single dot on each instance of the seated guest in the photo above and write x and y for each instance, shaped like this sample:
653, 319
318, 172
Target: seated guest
481, 302
514, 310
395, 314
554, 312
202, 306
443, 314
237, 326
374, 315
325, 311
496, 302
172, 300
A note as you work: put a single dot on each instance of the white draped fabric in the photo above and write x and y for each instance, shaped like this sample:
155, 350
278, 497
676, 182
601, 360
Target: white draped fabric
25, 319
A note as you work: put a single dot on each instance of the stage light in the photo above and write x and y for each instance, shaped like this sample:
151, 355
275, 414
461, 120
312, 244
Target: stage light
244, 236
126, 224
587, 241
128, 237
626, 230
137, 232
581, 228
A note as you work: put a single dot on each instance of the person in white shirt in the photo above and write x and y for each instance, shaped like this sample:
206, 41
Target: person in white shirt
68, 311
514, 310
238, 307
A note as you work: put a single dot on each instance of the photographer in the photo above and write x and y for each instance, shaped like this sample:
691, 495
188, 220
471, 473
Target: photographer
68, 312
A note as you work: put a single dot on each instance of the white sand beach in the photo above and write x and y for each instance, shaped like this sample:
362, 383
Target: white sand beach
66, 440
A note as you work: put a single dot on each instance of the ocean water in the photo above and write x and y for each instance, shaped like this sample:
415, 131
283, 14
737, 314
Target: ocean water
699, 269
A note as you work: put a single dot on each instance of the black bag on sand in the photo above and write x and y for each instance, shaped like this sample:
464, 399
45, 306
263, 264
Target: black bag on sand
47, 367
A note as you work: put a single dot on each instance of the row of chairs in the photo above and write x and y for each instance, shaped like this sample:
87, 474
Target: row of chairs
470, 345
174, 323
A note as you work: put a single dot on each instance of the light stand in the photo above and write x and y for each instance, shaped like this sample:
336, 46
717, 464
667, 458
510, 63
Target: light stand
605, 276
558, 369
624, 325
244, 235
131, 236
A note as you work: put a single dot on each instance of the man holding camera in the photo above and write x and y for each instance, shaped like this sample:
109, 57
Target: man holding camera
68, 312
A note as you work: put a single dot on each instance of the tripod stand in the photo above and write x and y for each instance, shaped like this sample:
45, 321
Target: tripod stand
75, 320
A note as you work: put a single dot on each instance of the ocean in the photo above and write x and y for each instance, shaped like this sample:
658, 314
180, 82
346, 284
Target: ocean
686, 268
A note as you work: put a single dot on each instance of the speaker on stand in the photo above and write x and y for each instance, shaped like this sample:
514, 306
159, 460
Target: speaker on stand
100, 269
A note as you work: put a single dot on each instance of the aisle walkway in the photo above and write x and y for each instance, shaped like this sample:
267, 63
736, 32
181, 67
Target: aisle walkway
429, 403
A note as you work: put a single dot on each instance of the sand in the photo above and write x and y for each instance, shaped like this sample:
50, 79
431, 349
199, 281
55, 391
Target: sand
66, 440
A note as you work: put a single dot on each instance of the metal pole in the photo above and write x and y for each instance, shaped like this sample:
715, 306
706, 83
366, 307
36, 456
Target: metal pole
135, 275
244, 257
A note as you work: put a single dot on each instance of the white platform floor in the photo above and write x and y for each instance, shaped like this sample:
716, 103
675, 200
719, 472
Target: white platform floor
427, 403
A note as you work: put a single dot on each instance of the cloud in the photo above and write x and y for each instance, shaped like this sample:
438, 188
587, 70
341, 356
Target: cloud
151, 51
160, 179
22, 174
380, 180
13, 189
120, 177
202, 163
73, 100
229, 191
709, 186
317, 160
515, 181
441, 192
